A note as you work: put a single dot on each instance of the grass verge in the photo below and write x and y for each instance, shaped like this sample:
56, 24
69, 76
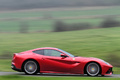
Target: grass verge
14, 77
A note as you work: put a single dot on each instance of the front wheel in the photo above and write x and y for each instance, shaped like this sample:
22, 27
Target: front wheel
93, 69
30, 67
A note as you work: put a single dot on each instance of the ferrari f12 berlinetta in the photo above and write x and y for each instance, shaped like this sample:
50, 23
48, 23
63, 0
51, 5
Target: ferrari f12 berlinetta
54, 60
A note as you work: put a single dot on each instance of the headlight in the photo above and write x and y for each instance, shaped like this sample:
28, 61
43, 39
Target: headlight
105, 62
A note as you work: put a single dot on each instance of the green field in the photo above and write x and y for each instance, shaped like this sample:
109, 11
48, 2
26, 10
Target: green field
88, 43
62, 13
47, 24
14, 77
34, 25
41, 25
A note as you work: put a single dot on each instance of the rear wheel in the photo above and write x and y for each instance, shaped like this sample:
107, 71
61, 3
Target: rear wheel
30, 67
93, 69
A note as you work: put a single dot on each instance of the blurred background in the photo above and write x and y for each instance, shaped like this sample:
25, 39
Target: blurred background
89, 28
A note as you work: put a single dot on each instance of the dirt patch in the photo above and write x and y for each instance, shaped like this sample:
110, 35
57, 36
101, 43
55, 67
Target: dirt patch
59, 9
58, 18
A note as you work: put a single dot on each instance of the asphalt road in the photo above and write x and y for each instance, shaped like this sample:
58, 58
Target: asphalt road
56, 75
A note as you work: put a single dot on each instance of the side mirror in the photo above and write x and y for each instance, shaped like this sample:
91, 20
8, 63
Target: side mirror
63, 55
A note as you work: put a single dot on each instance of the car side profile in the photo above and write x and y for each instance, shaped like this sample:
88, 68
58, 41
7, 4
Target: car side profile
54, 60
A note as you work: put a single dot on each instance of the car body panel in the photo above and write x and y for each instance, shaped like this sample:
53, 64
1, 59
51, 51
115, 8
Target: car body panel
52, 64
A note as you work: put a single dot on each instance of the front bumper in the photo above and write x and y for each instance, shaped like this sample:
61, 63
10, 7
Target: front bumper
109, 72
107, 69
16, 69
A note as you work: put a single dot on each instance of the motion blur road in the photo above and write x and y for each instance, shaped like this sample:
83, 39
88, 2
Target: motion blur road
56, 75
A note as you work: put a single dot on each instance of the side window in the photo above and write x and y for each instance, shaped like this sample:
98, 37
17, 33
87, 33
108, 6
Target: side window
41, 52
52, 53
47, 52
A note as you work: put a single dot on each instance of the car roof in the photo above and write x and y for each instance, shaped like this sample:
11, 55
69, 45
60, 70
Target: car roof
45, 48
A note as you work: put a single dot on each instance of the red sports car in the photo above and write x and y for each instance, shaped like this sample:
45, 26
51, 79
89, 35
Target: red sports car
54, 60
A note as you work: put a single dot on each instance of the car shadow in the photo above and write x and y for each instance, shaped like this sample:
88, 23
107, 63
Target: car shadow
60, 75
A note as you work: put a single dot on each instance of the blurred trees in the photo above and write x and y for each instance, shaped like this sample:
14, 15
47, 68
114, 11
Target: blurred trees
107, 23
110, 22
61, 26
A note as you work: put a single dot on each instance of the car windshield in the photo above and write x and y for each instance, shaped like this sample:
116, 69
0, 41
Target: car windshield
67, 53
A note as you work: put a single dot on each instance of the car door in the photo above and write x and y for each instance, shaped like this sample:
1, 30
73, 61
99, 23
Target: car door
53, 62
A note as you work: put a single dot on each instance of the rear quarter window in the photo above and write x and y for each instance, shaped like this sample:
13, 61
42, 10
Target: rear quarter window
41, 52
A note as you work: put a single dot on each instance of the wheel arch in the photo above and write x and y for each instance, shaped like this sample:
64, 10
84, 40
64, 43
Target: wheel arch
22, 67
85, 72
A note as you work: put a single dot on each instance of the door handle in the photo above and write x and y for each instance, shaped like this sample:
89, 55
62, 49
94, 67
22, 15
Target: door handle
42, 58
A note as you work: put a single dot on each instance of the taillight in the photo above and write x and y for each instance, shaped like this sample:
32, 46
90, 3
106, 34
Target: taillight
14, 55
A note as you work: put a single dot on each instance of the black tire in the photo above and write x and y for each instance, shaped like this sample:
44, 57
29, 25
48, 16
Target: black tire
31, 67
93, 69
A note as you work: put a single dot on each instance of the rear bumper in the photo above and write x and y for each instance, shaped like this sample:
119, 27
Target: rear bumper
16, 69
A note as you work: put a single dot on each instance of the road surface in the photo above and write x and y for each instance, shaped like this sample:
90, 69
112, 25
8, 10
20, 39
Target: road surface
55, 75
